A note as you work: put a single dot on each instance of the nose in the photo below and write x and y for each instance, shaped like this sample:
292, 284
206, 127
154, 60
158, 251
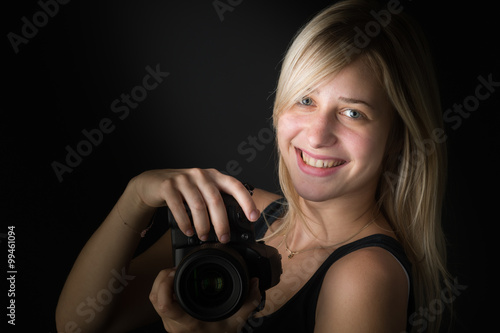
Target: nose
321, 130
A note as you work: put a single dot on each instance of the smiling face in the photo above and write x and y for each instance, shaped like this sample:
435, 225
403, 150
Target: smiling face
333, 140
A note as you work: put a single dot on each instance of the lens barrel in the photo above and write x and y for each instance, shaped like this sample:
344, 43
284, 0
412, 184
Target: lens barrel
212, 282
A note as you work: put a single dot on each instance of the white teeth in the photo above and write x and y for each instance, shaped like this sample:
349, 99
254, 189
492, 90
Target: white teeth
320, 163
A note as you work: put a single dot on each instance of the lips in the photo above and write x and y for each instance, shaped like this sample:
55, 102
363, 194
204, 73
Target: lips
318, 165
322, 162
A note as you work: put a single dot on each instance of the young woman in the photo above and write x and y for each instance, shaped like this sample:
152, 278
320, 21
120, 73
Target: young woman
361, 167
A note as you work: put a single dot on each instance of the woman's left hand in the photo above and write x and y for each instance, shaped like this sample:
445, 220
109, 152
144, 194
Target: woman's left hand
176, 320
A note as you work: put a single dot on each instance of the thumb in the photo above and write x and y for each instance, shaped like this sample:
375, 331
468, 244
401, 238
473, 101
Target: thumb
253, 300
249, 308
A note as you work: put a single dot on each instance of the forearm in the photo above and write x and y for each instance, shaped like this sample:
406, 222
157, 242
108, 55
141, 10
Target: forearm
100, 293
99, 274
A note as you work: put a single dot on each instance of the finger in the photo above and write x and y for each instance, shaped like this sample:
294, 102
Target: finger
217, 212
251, 303
162, 296
214, 205
189, 186
253, 299
235, 188
185, 190
199, 213
175, 203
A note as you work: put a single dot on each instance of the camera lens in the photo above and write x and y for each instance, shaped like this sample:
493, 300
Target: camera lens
208, 284
211, 283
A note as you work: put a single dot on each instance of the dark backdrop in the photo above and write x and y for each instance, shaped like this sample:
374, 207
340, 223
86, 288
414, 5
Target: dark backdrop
71, 72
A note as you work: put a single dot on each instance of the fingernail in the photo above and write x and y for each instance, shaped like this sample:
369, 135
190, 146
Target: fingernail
190, 232
203, 238
224, 238
254, 215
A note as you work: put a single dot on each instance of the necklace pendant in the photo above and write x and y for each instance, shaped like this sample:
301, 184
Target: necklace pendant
290, 256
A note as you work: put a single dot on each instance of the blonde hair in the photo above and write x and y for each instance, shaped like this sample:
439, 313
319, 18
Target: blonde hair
411, 188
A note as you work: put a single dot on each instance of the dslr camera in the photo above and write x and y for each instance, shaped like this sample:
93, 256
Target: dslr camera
212, 279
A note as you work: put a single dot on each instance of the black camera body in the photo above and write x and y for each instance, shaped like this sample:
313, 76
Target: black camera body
212, 279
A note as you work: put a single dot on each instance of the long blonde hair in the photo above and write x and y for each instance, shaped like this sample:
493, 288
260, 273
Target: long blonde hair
411, 188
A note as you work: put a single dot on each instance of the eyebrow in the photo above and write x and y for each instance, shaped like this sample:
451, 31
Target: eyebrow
354, 101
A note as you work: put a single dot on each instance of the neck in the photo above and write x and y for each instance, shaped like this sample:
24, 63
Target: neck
329, 222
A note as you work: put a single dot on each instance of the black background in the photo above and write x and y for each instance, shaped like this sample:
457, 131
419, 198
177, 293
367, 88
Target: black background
218, 94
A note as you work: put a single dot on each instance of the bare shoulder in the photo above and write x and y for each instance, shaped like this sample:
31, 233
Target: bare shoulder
263, 198
368, 283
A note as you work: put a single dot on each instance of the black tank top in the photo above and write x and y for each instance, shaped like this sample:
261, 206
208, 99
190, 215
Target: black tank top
299, 313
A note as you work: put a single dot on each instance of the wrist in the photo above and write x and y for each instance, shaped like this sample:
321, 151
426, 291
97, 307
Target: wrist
132, 191
133, 212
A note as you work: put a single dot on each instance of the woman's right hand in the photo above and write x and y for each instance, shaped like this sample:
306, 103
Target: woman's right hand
200, 190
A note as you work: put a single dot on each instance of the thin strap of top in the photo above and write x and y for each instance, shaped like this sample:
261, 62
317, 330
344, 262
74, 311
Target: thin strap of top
273, 211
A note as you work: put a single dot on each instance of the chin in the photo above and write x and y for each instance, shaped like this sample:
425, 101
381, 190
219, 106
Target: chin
314, 193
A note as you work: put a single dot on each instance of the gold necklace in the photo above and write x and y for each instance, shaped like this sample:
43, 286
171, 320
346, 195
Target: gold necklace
293, 253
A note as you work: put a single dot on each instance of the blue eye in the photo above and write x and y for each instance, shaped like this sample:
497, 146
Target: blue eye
353, 114
307, 101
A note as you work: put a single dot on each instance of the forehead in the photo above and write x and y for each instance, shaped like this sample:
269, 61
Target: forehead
355, 82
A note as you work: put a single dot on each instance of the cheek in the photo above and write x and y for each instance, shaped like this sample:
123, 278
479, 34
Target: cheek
368, 148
